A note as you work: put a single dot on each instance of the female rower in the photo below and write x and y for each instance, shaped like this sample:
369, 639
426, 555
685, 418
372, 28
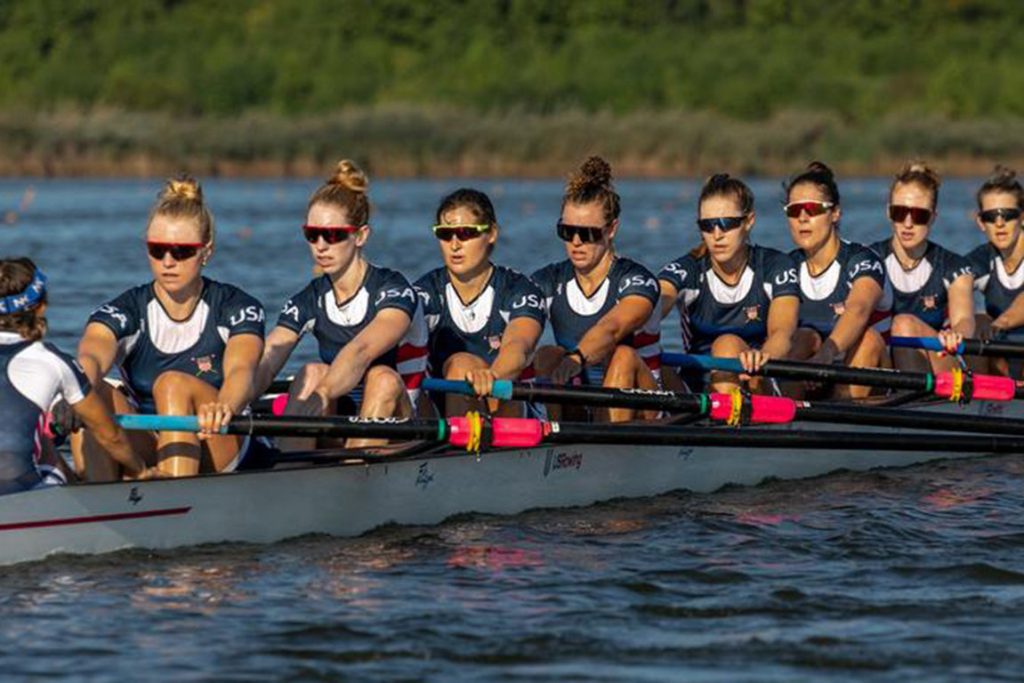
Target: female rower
366, 319
484, 319
184, 345
843, 288
933, 287
601, 305
997, 264
735, 299
32, 374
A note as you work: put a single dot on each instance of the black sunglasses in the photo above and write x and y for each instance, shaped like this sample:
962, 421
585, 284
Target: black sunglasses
178, 251
918, 216
992, 215
332, 234
586, 233
724, 223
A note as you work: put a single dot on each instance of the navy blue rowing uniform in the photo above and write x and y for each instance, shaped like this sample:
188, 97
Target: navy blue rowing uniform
150, 342
998, 286
823, 298
476, 326
334, 324
572, 313
923, 290
32, 374
709, 308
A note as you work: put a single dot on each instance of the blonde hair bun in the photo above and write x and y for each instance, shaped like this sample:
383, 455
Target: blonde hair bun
183, 186
349, 176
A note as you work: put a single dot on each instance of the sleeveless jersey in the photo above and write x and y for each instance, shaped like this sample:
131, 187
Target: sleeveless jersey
32, 374
708, 307
476, 326
572, 313
998, 286
923, 290
823, 298
150, 342
334, 324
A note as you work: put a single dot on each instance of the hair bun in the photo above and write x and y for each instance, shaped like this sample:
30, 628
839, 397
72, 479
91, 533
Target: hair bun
919, 168
349, 176
820, 167
594, 174
183, 186
1003, 175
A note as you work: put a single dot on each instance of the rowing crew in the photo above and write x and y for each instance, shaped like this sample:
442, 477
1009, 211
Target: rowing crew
185, 344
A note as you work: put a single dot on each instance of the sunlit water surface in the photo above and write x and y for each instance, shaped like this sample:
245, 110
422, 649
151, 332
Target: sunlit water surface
915, 574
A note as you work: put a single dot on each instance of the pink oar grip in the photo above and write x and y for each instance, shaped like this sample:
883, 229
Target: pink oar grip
986, 387
279, 403
506, 432
763, 409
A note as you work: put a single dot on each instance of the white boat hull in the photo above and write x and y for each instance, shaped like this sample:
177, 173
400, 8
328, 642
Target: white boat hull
351, 499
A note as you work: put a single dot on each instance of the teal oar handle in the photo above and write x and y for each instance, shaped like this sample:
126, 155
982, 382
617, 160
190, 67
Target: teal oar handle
696, 362
926, 343
161, 423
502, 388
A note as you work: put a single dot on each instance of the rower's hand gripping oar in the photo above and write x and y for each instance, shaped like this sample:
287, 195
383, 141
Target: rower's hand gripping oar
735, 408
968, 347
955, 385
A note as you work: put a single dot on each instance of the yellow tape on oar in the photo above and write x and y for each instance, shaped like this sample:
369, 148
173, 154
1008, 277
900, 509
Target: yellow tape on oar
475, 423
956, 394
735, 408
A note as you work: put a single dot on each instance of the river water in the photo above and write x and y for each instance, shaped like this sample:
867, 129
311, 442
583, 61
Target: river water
914, 574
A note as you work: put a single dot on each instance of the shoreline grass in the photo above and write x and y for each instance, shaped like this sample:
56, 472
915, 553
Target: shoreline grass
416, 141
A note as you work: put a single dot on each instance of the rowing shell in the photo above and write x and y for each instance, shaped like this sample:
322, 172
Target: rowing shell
351, 498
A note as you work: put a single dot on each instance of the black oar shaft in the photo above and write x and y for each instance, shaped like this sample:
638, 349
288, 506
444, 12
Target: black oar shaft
612, 398
645, 435
910, 419
869, 377
341, 427
977, 347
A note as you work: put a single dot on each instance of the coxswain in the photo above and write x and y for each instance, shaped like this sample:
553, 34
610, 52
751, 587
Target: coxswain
33, 374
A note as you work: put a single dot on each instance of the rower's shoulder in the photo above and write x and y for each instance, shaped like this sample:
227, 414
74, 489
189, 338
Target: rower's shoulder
218, 293
882, 247
627, 267
940, 255
513, 280
432, 280
547, 276
379, 277
771, 258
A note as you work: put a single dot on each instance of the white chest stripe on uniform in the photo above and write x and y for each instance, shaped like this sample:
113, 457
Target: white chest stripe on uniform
580, 303
170, 336
723, 293
818, 288
352, 313
907, 281
470, 317
1010, 282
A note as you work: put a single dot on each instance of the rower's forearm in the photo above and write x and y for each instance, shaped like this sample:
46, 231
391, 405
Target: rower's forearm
236, 392
511, 360
345, 372
778, 345
849, 328
597, 344
964, 326
1012, 317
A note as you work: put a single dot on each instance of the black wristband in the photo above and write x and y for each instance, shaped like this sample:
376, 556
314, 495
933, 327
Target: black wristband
577, 352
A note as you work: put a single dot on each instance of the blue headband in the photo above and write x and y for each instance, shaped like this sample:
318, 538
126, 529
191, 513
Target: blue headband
28, 298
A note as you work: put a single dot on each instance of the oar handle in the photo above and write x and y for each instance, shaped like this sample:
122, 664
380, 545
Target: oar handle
501, 389
161, 423
926, 343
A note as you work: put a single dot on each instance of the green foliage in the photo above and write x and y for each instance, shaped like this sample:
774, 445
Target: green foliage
748, 59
